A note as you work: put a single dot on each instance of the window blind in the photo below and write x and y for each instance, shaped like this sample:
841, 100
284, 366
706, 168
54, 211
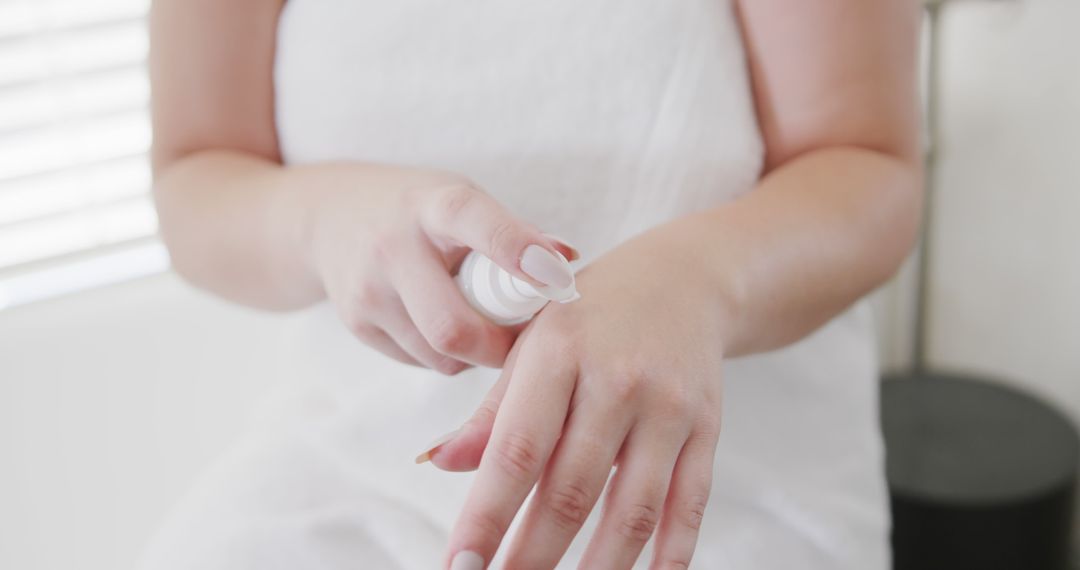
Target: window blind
74, 129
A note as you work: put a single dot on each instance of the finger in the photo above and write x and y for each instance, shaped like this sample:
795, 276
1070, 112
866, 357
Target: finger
376, 338
564, 247
395, 321
474, 219
526, 428
464, 451
440, 312
684, 509
570, 486
635, 497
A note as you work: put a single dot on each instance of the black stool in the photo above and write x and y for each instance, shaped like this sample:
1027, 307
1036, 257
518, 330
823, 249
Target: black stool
981, 476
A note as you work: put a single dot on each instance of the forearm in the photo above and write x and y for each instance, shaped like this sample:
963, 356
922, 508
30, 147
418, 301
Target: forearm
817, 234
235, 225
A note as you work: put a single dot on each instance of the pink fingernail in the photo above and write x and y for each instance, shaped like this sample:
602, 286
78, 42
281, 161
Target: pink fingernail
542, 265
431, 447
574, 253
467, 560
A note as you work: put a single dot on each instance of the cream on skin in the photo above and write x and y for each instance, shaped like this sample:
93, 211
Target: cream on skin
833, 215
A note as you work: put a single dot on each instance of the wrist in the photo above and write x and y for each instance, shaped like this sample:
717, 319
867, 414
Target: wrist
707, 269
297, 214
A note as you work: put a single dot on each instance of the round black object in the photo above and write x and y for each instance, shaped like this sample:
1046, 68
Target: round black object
981, 476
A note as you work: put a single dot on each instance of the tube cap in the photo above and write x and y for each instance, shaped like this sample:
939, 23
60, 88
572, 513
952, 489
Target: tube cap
503, 298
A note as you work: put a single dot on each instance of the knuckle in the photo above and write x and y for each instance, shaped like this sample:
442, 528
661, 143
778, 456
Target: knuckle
570, 504
626, 384
486, 525
448, 334
639, 522
485, 414
357, 319
676, 403
519, 456
708, 430
367, 297
449, 366
361, 329
693, 511
501, 241
385, 247
454, 199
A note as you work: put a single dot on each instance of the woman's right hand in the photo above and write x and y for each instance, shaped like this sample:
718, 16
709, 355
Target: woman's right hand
379, 240
384, 242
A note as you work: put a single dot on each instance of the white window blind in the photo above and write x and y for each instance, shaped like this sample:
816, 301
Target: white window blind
74, 138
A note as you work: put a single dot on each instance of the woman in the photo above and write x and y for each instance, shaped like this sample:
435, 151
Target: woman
735, 175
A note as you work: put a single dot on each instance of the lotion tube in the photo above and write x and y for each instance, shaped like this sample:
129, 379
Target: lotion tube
503, 298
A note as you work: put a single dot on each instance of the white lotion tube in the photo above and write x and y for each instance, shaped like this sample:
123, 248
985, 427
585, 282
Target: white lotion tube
503, 298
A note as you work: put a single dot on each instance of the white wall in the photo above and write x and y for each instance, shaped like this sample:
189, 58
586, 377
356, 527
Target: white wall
1005, 290
110, 401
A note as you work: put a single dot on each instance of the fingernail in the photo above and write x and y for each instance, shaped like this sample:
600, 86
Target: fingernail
574, 253
542, 265
467, 560
575, 297
431, 447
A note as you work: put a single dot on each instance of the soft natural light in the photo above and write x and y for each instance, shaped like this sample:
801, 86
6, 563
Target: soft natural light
74, 137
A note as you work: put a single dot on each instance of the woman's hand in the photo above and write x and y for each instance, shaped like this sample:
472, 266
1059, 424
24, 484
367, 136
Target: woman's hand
379, 240
384, 240
628, 376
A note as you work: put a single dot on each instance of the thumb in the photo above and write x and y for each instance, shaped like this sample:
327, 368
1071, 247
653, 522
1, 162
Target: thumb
465, 214
461, 449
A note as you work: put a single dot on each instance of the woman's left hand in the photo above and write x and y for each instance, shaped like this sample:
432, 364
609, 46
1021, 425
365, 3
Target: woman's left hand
628, 376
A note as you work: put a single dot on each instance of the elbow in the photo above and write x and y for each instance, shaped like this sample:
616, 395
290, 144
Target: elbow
879, 196
179, 220
171, 230
194, 212
897, 214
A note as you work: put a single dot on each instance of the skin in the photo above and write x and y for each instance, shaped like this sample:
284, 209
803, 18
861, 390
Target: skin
615, 379
378, 240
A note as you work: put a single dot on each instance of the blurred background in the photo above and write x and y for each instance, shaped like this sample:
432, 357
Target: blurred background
118, 383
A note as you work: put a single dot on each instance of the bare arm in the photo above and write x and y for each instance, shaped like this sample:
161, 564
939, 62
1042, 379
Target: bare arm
231, 224
378, 240
631, 373
838, 207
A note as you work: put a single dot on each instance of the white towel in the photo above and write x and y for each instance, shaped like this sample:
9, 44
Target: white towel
595, 119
